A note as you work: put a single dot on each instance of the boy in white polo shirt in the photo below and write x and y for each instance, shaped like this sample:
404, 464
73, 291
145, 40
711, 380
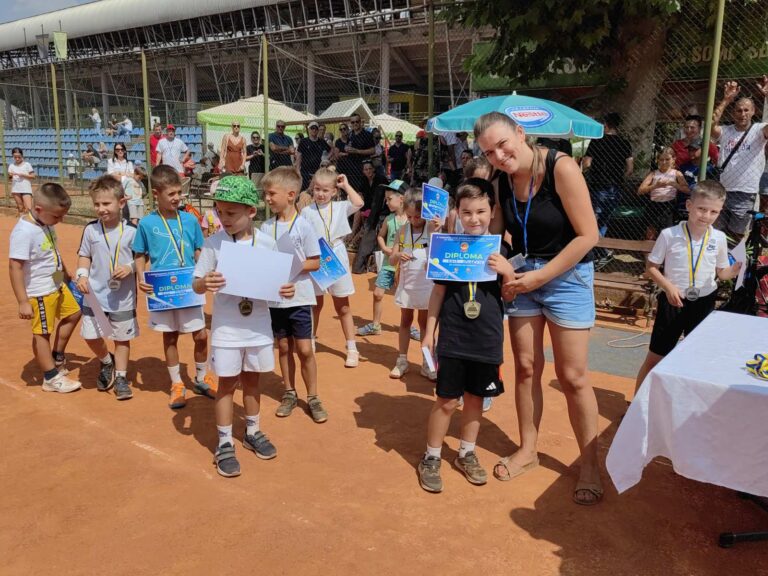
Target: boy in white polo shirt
292, 319
241, 333
693, 254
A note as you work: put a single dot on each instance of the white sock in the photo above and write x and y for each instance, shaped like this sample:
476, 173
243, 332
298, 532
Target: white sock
402, 357
106, 360
351, 345
225, 435
175, 373
201, 369
252, 424
122, 373
434, 451
465, 447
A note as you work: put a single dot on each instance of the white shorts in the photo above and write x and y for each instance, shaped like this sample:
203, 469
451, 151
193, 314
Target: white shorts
122, 330
344, 286
136, 211
229, 362
182, 320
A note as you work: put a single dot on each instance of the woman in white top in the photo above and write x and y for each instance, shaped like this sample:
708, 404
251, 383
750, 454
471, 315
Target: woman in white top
119, 165
21, 174
661, 187
96, 119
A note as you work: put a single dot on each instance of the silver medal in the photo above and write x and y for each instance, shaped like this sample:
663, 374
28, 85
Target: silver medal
692, 294
113, 284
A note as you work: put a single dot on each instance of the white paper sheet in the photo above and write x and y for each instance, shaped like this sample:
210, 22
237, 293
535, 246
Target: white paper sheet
428, 358
286, 246
101, 319
255, 273
739, 253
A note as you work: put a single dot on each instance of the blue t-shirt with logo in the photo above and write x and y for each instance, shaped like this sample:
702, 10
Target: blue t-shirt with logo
152, 238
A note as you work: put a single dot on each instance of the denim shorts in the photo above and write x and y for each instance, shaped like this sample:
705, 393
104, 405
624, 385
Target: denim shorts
568, 300
385, 279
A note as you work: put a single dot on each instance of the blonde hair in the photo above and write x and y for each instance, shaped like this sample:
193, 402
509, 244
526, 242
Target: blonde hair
283, 177
666, 150
326, 173
413, 198
709, 189
106, 183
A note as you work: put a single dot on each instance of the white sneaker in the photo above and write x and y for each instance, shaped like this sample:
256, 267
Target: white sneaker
401, 367
353, 359
487, 403
427, 373
61, 384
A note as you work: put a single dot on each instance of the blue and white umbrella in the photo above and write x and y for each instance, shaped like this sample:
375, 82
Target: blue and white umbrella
538, 116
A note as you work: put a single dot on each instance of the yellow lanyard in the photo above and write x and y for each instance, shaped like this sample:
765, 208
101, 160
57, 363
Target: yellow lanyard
178, 246
50, 236
293, 221
113, 260
472, 291
413, 242
693, 265
330, 220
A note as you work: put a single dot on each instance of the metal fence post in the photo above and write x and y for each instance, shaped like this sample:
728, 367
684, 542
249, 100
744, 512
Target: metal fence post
56, 122
712, 90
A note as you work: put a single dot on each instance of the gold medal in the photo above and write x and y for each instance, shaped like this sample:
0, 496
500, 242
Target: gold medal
246, 307
471, 309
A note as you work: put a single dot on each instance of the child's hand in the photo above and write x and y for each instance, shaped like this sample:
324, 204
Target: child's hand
522, 283
428, 342
341, 181
500, 265
122, 272
734, 269
288, 290
82, 284
25, 311
673, 296
145, 287
214, 281
437, 224
405, 257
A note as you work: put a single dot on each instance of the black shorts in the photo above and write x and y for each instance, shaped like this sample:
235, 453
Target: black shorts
295, 321
660, 215
456, 376
672, 322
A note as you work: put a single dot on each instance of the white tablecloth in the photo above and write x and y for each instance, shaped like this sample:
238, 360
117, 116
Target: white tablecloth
701, 409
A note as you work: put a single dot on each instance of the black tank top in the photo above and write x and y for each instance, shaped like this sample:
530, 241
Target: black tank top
549, 229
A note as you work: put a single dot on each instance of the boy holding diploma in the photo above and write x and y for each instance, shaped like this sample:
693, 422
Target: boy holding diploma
170, 238
241, 333
292, 318
469, 348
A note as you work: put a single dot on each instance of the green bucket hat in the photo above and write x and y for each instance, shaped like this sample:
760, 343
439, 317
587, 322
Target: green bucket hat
236, 189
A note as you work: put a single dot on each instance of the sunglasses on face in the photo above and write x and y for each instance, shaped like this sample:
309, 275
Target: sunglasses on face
343, 129
281, 125
119, 149
235, 125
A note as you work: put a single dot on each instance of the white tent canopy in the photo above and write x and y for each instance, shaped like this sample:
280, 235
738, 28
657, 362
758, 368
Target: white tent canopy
347, 108
389, 124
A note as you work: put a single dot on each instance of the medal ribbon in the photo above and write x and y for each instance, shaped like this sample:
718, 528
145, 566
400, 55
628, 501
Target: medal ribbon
113, 260
293, 221
330, 221
413, 242
472, 291
693, 265
178, 246
524, 223
51, 238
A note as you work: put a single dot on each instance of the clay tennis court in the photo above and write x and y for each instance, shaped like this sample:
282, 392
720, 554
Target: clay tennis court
95, 486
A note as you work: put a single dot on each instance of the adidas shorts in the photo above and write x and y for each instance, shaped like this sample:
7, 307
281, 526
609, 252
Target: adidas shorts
456, 376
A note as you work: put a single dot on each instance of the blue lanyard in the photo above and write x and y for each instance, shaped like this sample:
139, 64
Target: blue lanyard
524, 223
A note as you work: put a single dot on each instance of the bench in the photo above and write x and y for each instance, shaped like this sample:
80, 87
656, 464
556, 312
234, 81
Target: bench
640, 284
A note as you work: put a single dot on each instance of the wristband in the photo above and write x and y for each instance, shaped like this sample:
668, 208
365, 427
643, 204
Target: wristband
81, 272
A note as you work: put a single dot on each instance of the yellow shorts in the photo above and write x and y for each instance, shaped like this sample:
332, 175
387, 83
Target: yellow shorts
47, 309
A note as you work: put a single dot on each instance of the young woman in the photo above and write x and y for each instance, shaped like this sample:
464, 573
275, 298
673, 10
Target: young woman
233, 150
544, 204
119, 165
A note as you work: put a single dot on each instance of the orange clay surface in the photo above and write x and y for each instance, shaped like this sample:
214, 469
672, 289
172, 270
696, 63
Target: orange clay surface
95, 486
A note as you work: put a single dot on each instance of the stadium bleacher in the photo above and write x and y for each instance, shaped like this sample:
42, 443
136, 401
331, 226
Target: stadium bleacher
39, 146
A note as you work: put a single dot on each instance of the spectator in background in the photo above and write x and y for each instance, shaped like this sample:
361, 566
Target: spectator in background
360, 147
103, 151
172, 151
559, 144
233, 149
464, 160
96, 119
90, 156
210, 152
21, 174
608, 162
379, 157
298, 138
309, 154
281, 150
688, 148
339, 154
400, 157
72, 166
329, 151
254, 155
203, 167
119, 165
111, 129
125, 127
661, 187
154, 140
459, 148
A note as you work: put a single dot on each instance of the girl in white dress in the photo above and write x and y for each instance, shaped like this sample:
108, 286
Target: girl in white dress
21, 174
410, 254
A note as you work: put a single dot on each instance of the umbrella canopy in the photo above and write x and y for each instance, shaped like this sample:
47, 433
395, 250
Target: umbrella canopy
537, 116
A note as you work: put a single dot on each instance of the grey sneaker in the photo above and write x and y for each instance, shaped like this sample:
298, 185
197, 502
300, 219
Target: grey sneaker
261, 445
226, 463
369, 329
471, 468
429, 474
106, 377
287, 404
122, 388
319, 415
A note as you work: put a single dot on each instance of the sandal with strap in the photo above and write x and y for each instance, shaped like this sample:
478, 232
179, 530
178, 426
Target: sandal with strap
594, 489
510, 472
225, 461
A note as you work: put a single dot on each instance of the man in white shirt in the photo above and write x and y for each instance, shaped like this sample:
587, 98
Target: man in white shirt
172, 151
742, 173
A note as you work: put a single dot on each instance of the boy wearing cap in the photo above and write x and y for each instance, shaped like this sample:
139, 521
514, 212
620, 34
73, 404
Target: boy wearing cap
170, 238
241, 332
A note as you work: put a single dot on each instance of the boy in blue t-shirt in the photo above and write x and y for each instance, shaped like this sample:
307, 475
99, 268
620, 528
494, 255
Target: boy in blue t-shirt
169, 238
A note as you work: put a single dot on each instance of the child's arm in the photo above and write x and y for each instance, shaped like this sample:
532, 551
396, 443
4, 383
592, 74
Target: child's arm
730, 272
433, 226
140, 260
398, 256
673, 294
433, 312
647, 185
16, 270
83, 263
354, 198
501, 266
311, 264
381, 239
680, 183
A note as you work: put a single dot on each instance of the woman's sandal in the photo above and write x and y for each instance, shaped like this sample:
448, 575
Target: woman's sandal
513, 472
592, 488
